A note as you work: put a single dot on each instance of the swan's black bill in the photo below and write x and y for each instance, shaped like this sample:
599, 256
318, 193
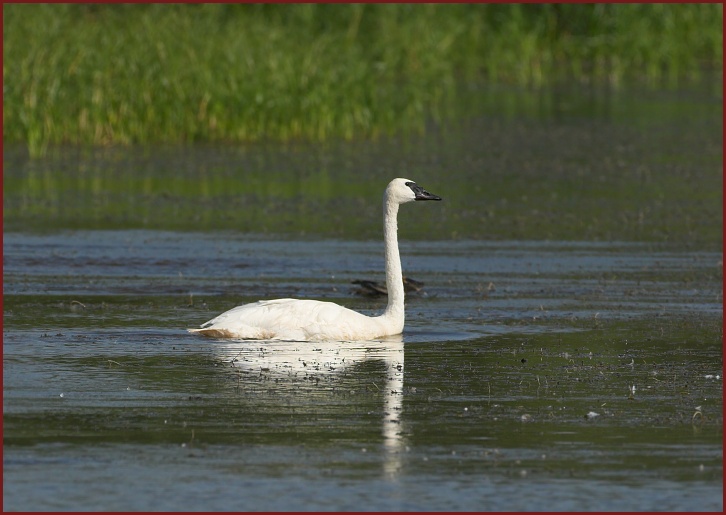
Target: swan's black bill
421, 194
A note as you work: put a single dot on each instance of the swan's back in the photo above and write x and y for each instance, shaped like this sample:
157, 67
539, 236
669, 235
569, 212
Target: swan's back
292, 319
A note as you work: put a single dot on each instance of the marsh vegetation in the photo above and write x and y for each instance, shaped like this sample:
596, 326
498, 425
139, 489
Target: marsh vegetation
118, 74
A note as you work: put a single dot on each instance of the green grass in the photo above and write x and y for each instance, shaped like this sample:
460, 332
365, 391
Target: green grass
136, 73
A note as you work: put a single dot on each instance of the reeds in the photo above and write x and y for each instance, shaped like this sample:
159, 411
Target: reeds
136, 73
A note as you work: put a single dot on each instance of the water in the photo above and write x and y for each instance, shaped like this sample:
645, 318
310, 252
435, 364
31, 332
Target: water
538, 370
486, 394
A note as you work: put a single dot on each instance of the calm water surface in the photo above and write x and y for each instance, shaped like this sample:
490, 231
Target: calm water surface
581, 376
565, 352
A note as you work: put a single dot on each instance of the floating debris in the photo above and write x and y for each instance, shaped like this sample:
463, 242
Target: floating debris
697, 416
77, 305
591, 415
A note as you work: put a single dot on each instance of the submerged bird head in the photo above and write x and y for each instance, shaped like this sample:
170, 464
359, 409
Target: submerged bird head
405, 190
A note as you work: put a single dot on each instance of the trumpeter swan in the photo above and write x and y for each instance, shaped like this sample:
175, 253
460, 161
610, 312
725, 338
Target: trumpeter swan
308, 320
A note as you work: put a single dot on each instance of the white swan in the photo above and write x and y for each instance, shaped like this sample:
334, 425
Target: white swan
306, 320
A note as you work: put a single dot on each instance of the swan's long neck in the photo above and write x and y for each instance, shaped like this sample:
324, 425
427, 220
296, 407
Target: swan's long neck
394, 313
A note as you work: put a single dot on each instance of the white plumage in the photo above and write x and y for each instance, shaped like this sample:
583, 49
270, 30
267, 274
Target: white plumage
313, 320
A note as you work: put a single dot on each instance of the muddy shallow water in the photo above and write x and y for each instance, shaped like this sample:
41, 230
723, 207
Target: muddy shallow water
530, 376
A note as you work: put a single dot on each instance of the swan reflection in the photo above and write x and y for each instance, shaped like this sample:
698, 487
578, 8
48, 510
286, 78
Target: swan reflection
299, 360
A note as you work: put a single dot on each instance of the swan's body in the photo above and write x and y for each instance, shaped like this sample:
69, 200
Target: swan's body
305, 320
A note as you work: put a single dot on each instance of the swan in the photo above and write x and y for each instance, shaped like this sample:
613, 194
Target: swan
313, 320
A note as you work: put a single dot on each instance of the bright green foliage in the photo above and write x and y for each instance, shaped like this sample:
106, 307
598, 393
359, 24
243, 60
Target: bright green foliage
137, 73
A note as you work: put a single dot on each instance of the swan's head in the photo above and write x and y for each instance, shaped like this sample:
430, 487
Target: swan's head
405, 190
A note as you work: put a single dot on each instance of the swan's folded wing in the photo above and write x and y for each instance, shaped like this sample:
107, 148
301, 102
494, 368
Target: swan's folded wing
291, 319
249, 321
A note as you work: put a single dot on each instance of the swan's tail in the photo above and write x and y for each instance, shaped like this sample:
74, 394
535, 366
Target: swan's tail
214, 333
249, 333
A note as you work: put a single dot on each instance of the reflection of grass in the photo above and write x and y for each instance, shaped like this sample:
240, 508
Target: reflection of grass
148, 73
657, 180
